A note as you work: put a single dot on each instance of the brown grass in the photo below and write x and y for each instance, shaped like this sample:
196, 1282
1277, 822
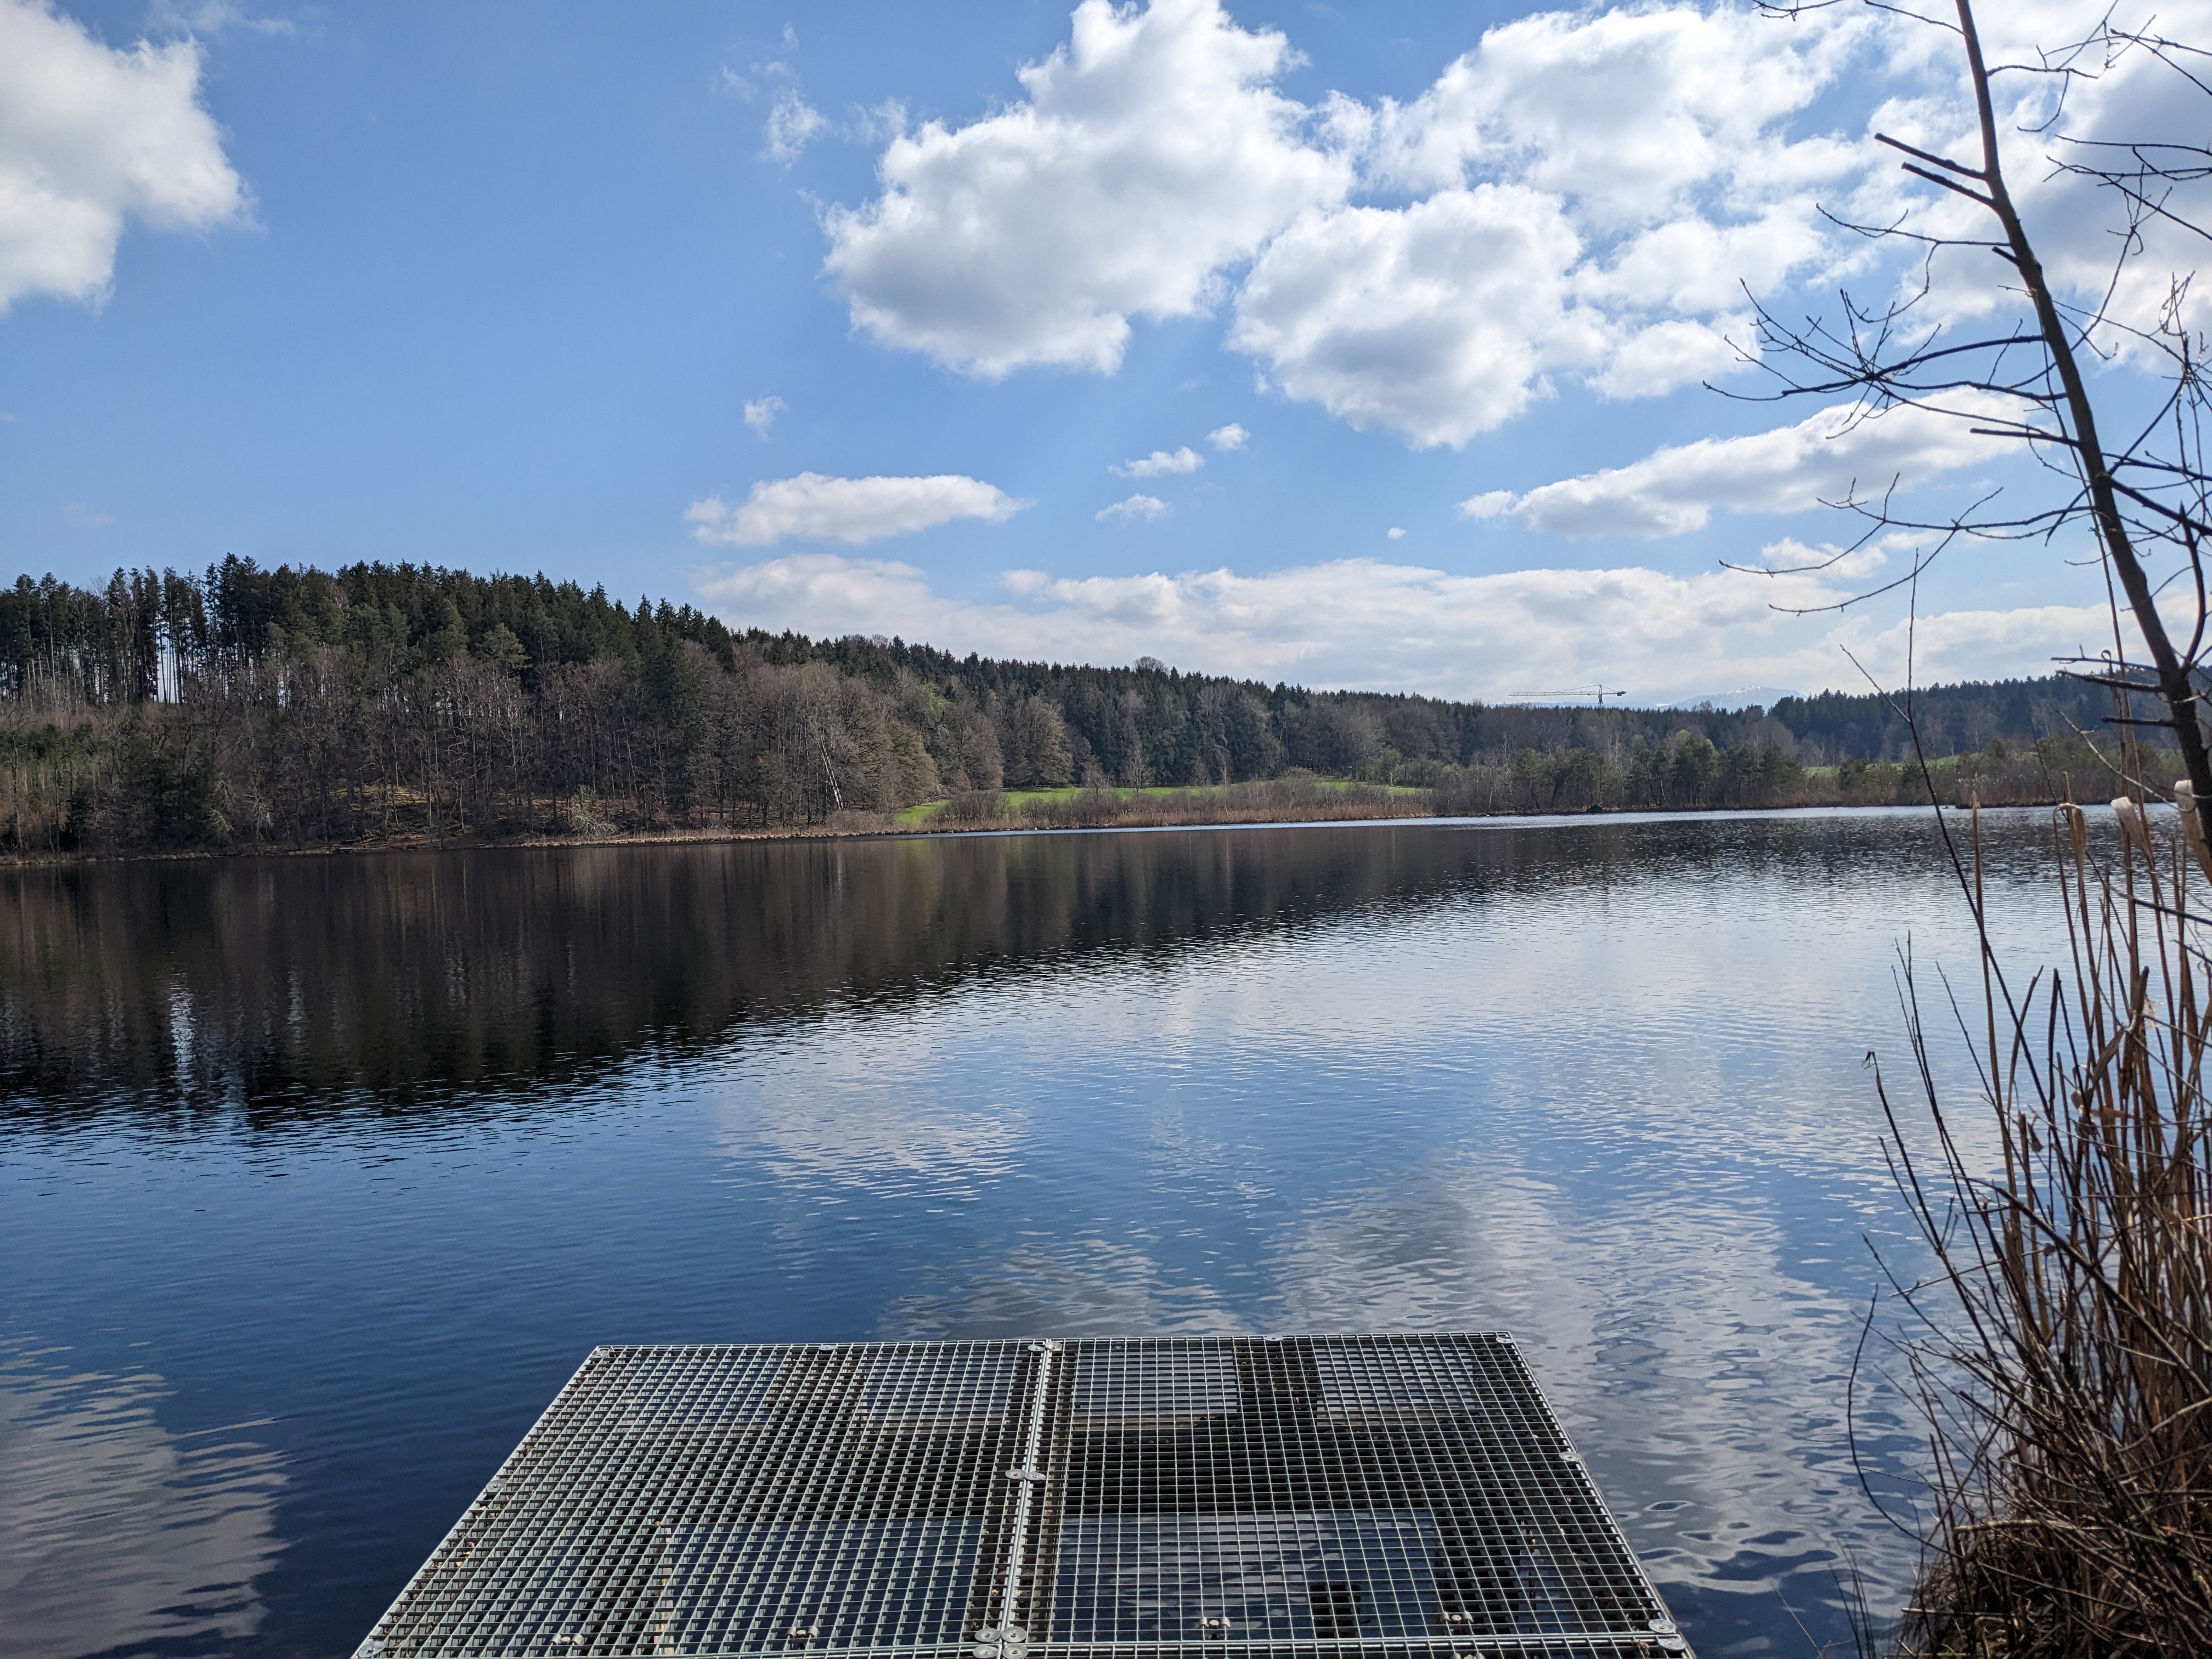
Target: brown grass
1282, 800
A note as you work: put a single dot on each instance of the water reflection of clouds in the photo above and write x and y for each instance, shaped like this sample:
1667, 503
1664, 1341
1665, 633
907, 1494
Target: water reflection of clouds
1719, 1014
1703, 1373
115, 1533
849, 1106
1070, 1288
1629, 1125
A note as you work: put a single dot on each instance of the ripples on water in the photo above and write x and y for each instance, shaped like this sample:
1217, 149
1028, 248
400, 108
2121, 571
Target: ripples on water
318, 1175
116, 1533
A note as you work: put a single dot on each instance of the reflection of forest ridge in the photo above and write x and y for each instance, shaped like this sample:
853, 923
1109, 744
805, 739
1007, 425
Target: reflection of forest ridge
288, 983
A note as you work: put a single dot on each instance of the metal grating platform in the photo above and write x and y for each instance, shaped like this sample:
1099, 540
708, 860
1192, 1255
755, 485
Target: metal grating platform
1305, 1497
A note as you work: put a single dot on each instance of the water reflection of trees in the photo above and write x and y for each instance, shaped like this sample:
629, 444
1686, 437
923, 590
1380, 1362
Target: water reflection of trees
391, 981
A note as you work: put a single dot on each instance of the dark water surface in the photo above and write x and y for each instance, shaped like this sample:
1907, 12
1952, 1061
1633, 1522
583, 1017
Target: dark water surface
318, 1175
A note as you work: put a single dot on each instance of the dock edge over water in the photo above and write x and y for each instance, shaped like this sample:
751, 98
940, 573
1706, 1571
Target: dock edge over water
1410, 1496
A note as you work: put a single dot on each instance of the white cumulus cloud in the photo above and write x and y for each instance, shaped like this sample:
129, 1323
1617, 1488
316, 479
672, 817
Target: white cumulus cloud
1401, 627
1226, 438
1161, 463
1151, 151
1592, 190
1441, 319
1634, 114
90, 139
1787, 469
1134, 507
2108, 100
1581, 200
1583, 195
814, 508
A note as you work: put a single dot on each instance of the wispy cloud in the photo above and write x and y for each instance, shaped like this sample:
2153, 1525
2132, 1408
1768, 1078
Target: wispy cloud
1134, 507
761, 412
214, 16
1226, 438
814, 508
793, 124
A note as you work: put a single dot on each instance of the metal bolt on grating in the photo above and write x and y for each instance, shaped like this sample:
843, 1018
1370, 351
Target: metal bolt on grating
1288, 1498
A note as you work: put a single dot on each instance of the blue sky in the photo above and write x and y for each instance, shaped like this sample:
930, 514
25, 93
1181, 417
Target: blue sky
1351, 346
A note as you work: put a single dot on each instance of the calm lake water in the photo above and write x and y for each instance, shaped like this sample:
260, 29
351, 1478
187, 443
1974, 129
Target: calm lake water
318, 1175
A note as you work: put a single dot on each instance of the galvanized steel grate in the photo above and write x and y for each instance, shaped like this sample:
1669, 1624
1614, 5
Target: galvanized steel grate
1306, 1496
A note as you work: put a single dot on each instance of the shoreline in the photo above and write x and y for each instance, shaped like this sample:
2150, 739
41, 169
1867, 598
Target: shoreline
928, 829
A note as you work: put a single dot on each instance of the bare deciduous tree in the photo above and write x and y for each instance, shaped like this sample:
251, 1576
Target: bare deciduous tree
2145, 496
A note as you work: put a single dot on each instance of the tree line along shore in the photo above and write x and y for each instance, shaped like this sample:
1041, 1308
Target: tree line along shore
243, 709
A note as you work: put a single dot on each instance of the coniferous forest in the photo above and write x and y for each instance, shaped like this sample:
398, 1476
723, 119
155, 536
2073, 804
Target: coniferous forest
244, 707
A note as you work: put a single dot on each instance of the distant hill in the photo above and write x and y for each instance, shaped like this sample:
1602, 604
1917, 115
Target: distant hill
245, 707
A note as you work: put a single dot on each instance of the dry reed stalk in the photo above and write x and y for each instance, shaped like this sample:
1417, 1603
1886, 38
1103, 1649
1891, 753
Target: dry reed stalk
2061, 1349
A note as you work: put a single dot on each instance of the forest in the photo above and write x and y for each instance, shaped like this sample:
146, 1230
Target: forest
242, 707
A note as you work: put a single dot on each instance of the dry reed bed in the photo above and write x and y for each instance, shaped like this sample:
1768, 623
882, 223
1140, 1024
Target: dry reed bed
2061, 1349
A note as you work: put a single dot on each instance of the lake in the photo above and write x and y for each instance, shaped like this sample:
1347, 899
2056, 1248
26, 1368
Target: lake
318, 1175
